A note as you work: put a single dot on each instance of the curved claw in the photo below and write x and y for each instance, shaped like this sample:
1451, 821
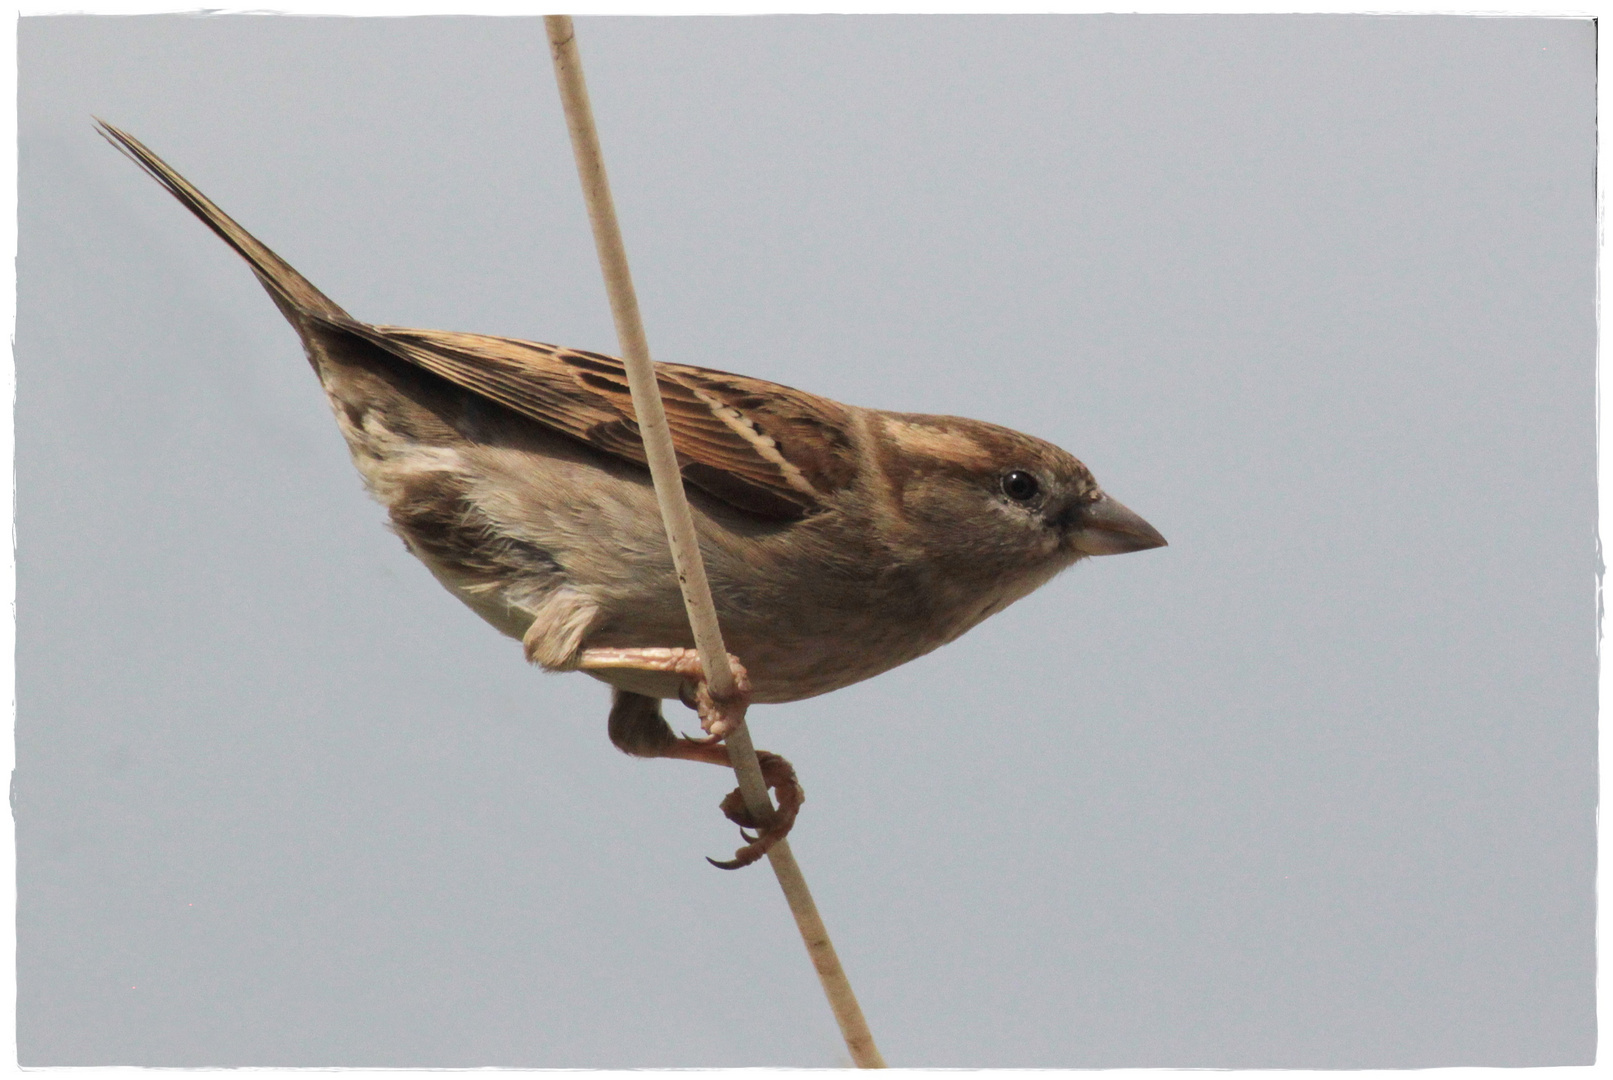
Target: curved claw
780, 776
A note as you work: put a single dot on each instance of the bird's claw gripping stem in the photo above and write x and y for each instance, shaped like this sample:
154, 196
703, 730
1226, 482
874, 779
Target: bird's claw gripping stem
719, 718
779, 775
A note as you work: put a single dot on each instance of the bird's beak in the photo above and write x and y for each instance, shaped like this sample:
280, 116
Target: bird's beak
1108, 528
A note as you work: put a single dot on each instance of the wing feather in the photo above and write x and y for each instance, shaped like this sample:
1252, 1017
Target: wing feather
761, 447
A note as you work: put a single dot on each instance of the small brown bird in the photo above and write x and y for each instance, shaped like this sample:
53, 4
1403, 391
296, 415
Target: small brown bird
839, 541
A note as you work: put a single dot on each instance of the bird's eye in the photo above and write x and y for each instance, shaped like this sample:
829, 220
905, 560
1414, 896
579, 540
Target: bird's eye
1021, 486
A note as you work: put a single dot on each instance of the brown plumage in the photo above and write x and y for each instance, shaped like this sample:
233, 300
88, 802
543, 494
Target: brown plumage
839, 541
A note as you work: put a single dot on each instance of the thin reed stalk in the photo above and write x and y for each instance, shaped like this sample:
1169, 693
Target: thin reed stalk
680, 529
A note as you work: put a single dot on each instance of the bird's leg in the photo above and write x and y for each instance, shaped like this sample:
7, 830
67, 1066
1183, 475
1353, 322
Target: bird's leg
718, 716
637, 727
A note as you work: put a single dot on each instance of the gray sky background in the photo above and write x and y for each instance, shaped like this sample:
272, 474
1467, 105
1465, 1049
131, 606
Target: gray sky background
1314, 786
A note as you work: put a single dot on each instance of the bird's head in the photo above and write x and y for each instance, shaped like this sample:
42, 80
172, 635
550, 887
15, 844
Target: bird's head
984, 496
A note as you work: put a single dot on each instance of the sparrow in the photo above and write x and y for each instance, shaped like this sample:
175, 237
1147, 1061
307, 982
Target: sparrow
839, 541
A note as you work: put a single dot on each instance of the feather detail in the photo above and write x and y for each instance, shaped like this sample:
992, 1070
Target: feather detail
763, 448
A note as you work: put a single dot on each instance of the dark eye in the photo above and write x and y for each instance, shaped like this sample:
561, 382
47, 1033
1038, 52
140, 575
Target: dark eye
1021, 486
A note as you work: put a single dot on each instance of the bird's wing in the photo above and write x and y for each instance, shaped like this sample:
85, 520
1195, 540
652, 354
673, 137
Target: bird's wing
763, 448
766, 449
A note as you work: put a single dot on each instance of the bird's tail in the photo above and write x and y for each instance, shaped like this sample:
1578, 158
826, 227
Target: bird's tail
289, 288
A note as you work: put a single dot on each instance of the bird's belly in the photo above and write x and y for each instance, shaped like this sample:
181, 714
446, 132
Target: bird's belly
789, 663
800, 626
787, 659
788, 656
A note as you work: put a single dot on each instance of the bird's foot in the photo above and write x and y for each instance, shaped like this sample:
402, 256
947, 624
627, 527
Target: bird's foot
779, 775
718, 715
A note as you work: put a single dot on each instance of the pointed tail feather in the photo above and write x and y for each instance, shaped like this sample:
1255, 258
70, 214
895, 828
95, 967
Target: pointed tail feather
284, 284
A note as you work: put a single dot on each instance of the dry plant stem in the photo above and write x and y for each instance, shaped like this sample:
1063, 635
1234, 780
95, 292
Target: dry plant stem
647, 406
836, 987
680, 528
